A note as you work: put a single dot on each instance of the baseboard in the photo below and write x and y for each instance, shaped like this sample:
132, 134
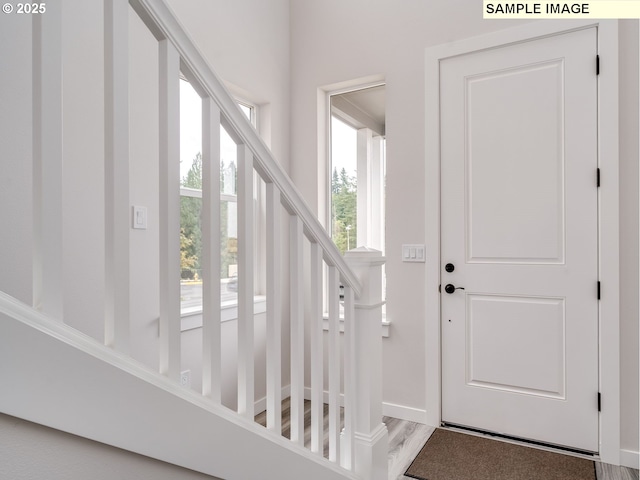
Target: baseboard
409, 414
261, 404
325, 396
401, 412
629, 458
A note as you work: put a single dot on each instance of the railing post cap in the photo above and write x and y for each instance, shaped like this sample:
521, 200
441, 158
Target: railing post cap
364, 255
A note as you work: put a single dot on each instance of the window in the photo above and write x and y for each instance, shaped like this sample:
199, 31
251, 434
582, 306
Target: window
191, 205
357, 170
344, 183
249, 111
358, 151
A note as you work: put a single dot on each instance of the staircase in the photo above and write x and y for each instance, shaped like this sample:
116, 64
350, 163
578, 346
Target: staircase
91, 386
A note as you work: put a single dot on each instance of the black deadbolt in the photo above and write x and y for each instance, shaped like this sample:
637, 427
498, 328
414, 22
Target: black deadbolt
449, 267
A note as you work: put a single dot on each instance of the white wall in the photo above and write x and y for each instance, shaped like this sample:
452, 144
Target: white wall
144, 191
335, 41
83, 155
32, 451
82, 274
192, 360
15, 156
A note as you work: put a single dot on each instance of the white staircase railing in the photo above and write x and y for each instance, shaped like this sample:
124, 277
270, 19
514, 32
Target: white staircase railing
354, 364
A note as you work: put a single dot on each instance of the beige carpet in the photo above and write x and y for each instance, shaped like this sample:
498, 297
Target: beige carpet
451, 455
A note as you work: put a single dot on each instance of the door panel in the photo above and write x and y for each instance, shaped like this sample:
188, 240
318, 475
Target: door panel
519, 222
530, 162
533, 360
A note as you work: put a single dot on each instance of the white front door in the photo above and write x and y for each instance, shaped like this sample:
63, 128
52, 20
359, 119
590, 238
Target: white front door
520, 228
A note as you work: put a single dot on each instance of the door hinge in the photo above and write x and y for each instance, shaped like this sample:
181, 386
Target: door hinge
597, 64
440, 288
598, 177
599, 402
598, 289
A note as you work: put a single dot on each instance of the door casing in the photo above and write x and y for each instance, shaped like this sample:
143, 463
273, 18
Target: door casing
608, 224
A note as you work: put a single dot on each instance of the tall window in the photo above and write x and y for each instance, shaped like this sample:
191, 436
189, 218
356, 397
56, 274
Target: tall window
358, 169
344, 184
358, 152
191, 204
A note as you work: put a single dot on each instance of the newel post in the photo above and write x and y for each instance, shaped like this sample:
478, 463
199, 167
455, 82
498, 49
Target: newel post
371, 437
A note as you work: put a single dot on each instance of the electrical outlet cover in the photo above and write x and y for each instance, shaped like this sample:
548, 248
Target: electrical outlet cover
185, 378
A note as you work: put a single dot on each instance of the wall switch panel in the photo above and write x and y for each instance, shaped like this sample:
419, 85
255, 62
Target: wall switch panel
139, 217
413, 253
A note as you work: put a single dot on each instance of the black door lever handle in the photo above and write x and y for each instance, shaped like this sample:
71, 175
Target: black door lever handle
449, 288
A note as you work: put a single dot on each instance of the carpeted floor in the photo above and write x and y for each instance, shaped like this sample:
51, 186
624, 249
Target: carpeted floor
451, 455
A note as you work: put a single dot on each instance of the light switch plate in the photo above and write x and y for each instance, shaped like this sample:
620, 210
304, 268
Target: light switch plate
413, 253
139, 220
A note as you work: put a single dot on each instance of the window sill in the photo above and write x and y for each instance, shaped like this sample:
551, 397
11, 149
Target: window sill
192, 318
385, 325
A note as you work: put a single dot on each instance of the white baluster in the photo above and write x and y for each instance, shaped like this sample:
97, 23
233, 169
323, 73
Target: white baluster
116, 189
245, 284
334, 364
211, 335
47, 162
317, 394
347, 459
296, 238
274, 310
169, 209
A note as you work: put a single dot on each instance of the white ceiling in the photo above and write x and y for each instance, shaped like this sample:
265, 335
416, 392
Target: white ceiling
354, 107
370, 100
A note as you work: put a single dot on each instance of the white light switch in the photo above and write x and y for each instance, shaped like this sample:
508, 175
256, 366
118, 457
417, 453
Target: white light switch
413, 253
139, 217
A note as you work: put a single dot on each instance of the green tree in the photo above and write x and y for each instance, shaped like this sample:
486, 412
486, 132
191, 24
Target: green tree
187, 262
228, 256
335, 182
193, 178
190, 222
344, 210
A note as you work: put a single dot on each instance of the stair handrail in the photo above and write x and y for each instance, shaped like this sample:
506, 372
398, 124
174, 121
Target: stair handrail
163, 24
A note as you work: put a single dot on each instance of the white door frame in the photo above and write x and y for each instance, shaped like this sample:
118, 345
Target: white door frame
608, 247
